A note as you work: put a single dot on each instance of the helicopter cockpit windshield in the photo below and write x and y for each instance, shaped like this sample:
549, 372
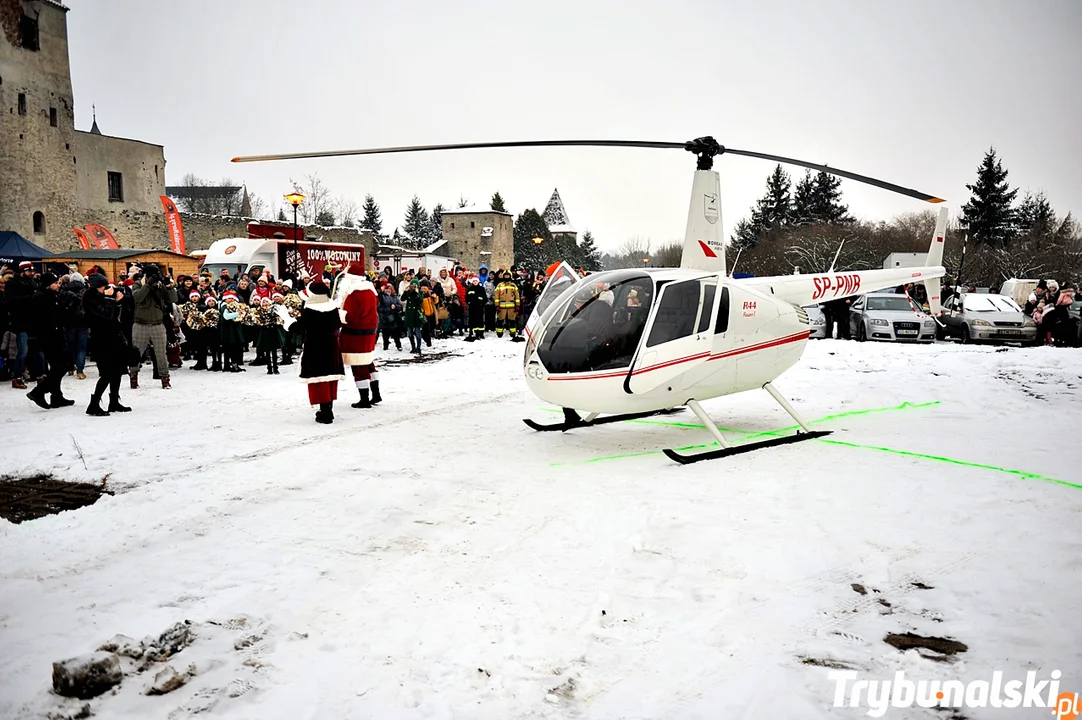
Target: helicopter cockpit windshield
599, 327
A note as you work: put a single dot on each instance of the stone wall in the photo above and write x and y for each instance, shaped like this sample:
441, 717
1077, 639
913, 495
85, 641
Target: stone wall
463, 232
142, 172
37, 166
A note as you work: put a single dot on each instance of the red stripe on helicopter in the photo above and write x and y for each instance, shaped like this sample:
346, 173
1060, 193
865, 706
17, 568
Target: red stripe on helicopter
803, 335
740, 351
706, 250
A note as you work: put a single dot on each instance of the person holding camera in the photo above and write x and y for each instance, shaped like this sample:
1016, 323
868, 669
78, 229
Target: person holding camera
108, 346
154, 297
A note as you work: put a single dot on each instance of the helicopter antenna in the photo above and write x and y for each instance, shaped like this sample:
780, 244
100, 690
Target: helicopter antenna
835, 260
733, 268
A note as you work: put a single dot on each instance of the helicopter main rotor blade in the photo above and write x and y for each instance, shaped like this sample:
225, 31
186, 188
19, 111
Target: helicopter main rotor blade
468, 146
841, 173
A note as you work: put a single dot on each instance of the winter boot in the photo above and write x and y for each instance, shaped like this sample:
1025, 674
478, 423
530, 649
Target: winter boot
287, 359
376, 397
38, 396
115, 406
324, 414
94, 408
364, 402
134, 377
274, 361
165, 383
57, 400
216, 366
471, 338
18, 383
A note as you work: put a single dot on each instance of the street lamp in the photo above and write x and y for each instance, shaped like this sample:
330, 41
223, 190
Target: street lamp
645, 260
295, 198
538, 240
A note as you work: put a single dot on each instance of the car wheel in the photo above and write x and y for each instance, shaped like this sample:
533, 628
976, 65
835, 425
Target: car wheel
966, 339
862, 334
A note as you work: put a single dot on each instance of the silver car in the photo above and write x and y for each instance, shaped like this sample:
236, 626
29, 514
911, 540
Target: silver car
817, 321
889, 316
975, 317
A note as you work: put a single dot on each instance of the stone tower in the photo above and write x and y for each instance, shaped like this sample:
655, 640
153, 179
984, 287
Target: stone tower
479, 236
37, 121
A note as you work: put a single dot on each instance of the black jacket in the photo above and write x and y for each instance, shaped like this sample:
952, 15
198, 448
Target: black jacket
107, 343
46, 320
17, 294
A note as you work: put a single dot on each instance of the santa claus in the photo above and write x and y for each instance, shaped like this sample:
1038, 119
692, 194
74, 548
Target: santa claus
358, 302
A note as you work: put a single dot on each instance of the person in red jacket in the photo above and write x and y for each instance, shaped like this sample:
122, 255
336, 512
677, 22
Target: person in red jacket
358, 301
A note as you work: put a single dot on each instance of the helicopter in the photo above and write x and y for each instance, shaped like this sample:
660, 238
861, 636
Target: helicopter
632, 343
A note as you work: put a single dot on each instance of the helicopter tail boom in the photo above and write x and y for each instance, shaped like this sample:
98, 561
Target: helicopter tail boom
704, 247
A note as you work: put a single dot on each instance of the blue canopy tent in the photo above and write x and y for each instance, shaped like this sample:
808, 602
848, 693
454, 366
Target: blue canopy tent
14, 249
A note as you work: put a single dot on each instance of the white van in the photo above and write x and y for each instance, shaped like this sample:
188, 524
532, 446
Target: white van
1018, 290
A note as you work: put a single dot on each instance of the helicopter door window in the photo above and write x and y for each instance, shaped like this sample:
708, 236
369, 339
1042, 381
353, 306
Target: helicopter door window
706, 306
677, 313
722, 324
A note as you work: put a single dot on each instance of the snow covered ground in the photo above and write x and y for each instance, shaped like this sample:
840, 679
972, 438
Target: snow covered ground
433, 557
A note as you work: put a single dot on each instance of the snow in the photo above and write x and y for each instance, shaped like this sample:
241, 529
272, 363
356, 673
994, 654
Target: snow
433, 557
475, 210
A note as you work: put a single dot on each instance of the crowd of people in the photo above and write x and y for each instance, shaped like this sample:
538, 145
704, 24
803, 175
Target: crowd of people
51, 326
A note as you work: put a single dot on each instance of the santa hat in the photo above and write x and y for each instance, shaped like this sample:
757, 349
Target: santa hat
229, 295
193, 294
25, 265
356, 268
264, 299
275, 296
211, 299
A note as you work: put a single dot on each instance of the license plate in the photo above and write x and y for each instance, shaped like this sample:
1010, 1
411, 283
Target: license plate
907, 332
1011, 332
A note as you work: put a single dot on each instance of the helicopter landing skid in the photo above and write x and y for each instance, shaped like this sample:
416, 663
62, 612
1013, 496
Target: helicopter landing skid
572, 420
747, 447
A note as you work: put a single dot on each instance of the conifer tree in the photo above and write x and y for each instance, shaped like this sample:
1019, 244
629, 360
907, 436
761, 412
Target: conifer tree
1035, 216
588, 252
804, 201
774, 210
497, 202
416, 224
435, 224
827, 206
372, 220
529, 225
281, 215
988, 215
325, 218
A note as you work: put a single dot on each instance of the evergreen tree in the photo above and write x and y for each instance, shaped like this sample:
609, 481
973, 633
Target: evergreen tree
435, 224
827, 206
1035, 216
416, 224
988, 215
372, 220
529, 225
497, 202
281, 215
588, 252
804, 201
325, 218
774, 210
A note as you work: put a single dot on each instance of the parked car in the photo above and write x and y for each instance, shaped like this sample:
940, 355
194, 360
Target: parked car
817, 321
974, 317
889, 316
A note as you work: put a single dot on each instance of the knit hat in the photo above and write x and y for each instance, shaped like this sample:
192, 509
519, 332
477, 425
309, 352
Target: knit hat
48, 279
414, 282
96, 281
76, 278
25, 265
318, 287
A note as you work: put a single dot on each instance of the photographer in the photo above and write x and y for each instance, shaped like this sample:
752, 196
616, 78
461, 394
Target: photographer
154, 296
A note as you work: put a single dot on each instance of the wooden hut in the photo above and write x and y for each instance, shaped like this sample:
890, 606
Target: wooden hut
116, 262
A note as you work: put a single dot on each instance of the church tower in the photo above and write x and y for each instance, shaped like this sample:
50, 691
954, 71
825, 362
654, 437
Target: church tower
37, 122
555, 216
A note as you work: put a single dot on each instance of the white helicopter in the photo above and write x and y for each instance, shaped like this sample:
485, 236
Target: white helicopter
634, 343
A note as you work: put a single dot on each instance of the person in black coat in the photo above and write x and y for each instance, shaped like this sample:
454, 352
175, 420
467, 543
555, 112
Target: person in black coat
48, 322
108, 345
321, 360
476, 299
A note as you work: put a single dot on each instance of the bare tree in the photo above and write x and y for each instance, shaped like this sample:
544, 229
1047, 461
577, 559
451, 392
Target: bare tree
317, 202
346, 210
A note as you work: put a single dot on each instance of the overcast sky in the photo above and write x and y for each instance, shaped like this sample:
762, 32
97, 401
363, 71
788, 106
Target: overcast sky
913, 93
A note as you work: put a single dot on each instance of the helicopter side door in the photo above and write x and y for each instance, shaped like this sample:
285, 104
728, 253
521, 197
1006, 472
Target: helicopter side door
679, 334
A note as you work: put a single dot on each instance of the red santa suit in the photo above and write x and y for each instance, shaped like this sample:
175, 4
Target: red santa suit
358, 302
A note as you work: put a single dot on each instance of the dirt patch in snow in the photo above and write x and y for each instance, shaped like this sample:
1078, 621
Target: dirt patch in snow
908, 641
417, 359
30, 498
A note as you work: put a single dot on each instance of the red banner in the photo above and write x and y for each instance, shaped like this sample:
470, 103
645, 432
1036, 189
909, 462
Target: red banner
316, 256
103, 239
84, 241
172, 220
259, 230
